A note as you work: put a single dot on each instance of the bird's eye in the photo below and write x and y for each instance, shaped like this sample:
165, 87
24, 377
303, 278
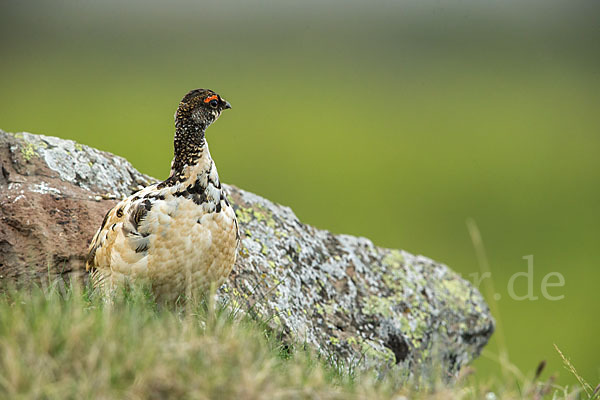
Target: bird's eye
213, 103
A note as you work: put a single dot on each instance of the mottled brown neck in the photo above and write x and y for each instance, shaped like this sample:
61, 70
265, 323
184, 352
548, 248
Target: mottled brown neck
189, 146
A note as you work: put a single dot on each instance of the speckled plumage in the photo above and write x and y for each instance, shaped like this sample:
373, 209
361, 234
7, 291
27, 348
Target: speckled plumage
180, 235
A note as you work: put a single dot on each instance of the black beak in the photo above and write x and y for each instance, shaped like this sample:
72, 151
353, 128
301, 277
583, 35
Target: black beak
227, 105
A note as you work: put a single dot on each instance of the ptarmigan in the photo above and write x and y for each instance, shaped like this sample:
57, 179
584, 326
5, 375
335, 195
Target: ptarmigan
180, 235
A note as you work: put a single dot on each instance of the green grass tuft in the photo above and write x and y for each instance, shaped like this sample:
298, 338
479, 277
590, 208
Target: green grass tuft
61, 343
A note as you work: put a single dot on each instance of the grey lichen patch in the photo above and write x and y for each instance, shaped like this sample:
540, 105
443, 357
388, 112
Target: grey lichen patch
82, 165
43, 188
375, 305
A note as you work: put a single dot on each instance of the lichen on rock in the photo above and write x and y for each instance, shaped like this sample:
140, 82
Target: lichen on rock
364, 306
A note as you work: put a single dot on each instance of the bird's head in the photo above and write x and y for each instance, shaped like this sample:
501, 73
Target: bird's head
201, 107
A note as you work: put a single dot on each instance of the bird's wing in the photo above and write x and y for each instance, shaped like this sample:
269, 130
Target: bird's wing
123, 237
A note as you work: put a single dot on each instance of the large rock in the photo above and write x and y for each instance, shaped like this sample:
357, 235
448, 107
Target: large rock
360, 304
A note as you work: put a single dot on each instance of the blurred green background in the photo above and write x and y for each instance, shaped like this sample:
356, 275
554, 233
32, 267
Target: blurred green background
391, 120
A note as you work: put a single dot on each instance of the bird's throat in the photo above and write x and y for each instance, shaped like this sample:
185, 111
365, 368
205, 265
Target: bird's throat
190, 149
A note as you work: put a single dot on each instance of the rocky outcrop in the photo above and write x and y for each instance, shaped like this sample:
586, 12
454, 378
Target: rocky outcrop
359, 304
